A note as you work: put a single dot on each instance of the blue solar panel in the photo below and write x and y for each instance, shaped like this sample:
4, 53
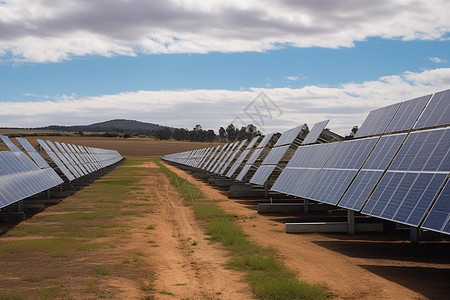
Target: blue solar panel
339, 170
416, 174
371, 171
438, 219
302, 169
407, 114
289, 136
315, 132
377, 121
437, 112
242, 157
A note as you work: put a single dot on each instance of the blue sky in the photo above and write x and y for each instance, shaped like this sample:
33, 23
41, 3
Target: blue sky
187, 62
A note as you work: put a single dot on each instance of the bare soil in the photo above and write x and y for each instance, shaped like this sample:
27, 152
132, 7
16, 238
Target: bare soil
360, 266
174, 260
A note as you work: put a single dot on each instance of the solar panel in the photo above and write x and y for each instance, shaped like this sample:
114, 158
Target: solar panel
232, 156
71, 159
337, 173
217, 157
416, 174
9, 144
289, 136
261, 175
315, 132
56, 160
226, 155
371, 172
254, 156
437, 112
211, 157
377, 121
21, 178
33, 153
302, 169
407, 114
438, 219
242, 157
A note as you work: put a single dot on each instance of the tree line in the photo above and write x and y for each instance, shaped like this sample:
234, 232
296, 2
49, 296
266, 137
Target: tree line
231, 133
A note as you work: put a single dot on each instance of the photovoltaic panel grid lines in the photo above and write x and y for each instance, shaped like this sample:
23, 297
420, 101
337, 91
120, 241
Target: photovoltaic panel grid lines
437, 111
371, 172
242, 157
377, 121
414, 178
439, 217
257, 153
315, 132
337, 173
302, 169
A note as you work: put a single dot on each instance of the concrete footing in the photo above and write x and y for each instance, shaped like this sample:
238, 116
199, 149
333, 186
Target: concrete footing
9, 216
291, 207
245, 191
342, 227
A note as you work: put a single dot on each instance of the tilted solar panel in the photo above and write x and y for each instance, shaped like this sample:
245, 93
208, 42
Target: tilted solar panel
371, 171
56, 160
416, 174
437, 112
261, 175
315, 132
407, 114
438, 219
289, 136
377, 121
242, 157
9, 144
21, 178
302, 169
232, 156
337, 173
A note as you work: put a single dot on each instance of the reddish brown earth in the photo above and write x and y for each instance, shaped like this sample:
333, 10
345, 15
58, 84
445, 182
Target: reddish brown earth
361, 266
175, 261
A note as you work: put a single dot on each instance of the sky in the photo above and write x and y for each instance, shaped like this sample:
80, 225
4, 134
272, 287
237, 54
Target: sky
276, 64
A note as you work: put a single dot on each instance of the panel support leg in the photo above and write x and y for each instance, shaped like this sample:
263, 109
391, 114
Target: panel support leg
306, 206
414, 235
351, 221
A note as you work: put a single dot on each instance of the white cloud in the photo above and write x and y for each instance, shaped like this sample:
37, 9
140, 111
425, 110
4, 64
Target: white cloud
346, 105
292, 78
52, 30
438, 60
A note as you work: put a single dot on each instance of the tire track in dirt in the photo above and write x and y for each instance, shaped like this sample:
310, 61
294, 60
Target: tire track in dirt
186, 265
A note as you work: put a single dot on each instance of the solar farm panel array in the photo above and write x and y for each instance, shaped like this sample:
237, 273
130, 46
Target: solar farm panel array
22, 175
397, 166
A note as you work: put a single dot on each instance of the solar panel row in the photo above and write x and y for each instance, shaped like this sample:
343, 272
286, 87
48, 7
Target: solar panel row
397, 168
22, 176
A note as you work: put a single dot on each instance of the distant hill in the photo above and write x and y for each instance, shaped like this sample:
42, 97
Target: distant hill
118, 125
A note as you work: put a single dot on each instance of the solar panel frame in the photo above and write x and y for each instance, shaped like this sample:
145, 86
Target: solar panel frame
55, 158
437, 112
288, 136
232, 157
438, 218
315, 132
371, 172
407, 189
377, 121
407, 114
